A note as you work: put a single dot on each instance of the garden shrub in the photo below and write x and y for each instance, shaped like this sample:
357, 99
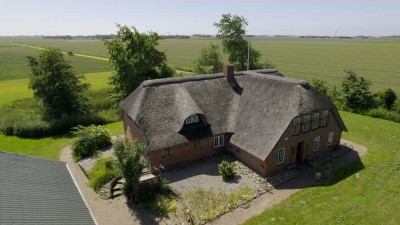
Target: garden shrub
99, 175
227, 169
90, 139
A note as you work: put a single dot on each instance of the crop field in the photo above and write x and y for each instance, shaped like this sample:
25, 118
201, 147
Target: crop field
13, 64
11, 90
376, 59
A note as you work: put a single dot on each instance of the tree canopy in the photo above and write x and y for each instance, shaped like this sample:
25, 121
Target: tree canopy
56, 85
129, 164
232, 30
135, 59
210, 60
320, 85
356, 93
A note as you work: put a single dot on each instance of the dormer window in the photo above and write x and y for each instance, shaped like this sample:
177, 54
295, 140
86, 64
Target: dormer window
192, 119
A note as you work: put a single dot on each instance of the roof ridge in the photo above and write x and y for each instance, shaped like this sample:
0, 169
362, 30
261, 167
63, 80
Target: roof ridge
278, 79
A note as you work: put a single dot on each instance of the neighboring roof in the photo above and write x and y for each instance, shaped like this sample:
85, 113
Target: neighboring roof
257, 113
38, 191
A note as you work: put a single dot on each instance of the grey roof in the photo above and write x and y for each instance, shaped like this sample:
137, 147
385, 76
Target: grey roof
257, 113
38, 191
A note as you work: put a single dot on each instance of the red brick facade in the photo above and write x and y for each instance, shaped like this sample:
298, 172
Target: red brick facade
297, 148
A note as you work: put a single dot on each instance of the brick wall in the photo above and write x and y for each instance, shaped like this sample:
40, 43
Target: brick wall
131, 129
290, 143
184, 153
248, 159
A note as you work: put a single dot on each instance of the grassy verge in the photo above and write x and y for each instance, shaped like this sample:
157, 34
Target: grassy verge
49, 147
372, 198
99, 175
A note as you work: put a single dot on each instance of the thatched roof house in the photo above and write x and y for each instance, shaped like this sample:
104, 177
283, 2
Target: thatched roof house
251, 109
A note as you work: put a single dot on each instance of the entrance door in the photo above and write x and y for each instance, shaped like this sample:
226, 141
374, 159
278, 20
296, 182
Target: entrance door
299, 152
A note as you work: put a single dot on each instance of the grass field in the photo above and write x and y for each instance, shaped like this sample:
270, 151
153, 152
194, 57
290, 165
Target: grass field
373, 198
376, 59
13, 64
11, 90
49, 147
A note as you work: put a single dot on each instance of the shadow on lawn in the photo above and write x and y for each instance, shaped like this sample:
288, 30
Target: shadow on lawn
343, 167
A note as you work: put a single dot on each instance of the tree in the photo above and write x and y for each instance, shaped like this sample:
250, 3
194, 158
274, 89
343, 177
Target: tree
388, 98
56, 85
135, 59
129, 165
356, 94
320, 85
231, 30
210, 60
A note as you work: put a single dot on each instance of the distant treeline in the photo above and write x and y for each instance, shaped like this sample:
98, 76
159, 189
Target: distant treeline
175, 36
108, 36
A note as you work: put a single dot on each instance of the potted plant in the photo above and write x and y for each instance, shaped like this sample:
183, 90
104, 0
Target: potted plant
318, 173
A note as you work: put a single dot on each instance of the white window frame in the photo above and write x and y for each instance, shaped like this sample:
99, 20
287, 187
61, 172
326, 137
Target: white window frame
306, 123
281, 156
324, 118
330, 138
218, 141
315, 121
296, 125
192, 119
317, 142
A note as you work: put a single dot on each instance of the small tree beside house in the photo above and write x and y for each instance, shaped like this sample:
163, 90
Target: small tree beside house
130, 166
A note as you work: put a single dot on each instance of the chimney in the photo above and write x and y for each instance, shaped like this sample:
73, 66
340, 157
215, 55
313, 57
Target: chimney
230, 75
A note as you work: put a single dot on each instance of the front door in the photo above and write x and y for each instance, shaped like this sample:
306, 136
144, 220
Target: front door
299, 152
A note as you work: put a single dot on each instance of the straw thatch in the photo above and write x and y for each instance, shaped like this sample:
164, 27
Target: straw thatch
256, 112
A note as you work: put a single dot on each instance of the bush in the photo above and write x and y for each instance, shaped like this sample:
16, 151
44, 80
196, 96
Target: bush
227, 169
384, 114
90, 139
99, 175
130, 165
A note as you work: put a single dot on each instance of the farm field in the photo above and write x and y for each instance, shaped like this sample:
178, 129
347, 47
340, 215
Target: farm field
370, 198
376, 59
13, 64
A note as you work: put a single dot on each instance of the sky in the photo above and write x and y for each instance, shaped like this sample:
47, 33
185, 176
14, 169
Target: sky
186, 17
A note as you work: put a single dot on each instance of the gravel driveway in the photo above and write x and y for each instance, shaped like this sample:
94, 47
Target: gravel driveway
204, 174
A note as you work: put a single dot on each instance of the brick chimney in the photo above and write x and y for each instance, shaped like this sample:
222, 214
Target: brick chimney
230, 75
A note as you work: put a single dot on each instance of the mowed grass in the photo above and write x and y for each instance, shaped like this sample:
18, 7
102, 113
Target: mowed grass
304, 58
13, 63
11, 90
373, 198
49, 147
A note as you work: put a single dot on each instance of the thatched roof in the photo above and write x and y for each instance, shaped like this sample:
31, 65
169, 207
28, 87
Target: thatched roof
257, 112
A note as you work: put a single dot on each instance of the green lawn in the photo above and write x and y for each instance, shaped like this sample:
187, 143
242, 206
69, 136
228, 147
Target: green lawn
377, 59
49, 147
13, 64
373, 198
11, 90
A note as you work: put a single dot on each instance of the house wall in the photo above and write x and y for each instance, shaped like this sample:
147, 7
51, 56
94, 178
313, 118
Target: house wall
248, 159
290, 141
131, 129
184, 153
